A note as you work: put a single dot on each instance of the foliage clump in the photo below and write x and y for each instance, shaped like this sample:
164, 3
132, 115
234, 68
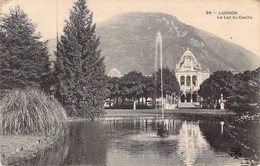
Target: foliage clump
241, 91
135, 86
30, 111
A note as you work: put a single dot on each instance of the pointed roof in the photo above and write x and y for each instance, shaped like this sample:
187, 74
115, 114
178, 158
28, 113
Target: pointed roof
188, 62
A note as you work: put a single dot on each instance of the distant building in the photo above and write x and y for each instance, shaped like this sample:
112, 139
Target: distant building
190, 75
114, 73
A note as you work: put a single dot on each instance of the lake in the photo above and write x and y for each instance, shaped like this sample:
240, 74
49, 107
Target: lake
134, 141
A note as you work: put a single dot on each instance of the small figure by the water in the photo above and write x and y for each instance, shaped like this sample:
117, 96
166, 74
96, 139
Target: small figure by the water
162, 131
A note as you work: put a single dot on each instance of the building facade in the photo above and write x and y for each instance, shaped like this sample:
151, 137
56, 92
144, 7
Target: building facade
190, 75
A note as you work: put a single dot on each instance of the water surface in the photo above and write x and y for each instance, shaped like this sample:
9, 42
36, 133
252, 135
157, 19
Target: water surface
133, 141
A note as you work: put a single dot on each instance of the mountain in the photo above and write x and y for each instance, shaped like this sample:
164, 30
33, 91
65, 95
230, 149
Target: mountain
128, 43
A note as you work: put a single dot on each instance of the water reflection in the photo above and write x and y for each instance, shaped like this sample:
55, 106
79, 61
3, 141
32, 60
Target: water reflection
186, 140
86, 143
133, 141
52, 156
191, 143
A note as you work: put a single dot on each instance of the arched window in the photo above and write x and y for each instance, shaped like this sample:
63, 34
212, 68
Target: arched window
194, 80
182, 80
188, 81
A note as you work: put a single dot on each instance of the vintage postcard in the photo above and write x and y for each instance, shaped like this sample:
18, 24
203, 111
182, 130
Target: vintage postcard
120, 83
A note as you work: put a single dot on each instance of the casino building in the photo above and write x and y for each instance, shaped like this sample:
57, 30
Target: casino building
189, 75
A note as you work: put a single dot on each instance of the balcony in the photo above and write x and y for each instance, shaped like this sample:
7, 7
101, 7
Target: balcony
187, 88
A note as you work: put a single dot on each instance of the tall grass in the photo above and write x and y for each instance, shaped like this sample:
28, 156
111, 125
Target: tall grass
30, 111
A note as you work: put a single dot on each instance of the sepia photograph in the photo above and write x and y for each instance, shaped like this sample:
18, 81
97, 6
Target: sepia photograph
129, 82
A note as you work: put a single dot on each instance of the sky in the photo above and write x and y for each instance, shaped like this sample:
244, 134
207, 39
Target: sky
244, 32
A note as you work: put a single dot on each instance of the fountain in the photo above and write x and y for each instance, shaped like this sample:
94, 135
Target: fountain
162, 131
159, 42
221, 124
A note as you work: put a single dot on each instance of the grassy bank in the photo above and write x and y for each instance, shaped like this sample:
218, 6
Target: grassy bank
30, 121
15, 148
154, 112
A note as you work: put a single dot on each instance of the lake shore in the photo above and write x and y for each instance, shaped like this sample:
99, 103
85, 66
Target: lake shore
153, 112
17, 147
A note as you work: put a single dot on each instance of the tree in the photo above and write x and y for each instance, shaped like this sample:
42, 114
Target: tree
113, 88
134, 85
247, 93
149, 89
79, 68
220, 82
248, 86
24, 58
170, 83
131, 85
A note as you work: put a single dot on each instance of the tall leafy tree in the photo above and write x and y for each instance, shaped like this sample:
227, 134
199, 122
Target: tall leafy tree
133, 83
149, 89
247, 93
79, 67
113, 88
131, 86
24, 58
170, 83
247, 87
220, 82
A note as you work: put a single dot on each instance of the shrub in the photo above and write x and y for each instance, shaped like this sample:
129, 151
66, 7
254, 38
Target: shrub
30, 111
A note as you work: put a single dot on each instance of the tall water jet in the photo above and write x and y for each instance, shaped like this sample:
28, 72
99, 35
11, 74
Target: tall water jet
159, 46
221, 124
